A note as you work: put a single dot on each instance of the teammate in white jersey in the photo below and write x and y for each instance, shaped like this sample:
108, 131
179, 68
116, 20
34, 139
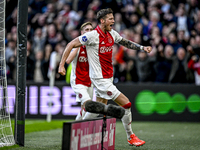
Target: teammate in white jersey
80, 80
99, 46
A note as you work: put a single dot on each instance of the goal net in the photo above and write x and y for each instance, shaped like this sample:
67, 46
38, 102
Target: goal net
6, 134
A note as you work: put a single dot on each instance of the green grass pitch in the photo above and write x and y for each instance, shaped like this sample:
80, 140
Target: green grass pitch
41, 135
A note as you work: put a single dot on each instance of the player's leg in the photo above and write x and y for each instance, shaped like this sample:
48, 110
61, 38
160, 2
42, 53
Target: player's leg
123, 101
82, 96
79, 115
105, 89
99, 98
75, 88
88, 115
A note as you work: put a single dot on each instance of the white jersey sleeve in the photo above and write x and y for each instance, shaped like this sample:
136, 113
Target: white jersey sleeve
117, 38
73, 71
89, 38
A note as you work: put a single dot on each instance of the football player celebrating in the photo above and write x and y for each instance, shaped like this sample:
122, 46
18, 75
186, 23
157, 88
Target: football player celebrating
80, 80
99, 45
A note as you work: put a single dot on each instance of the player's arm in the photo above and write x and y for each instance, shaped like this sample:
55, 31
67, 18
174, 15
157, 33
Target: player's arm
131, 45
73, 44
72, 55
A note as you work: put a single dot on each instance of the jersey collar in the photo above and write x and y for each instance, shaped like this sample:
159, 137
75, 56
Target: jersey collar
100, 31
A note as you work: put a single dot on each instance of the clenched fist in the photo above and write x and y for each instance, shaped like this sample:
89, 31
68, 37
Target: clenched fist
62, 70
147, 49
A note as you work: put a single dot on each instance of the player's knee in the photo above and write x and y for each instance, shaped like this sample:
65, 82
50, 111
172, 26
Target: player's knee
126, 106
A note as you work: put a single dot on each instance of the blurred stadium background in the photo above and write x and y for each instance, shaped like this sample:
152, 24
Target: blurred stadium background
162, 85
171, 27
170, 73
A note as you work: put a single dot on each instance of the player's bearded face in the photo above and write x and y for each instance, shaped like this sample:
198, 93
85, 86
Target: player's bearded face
109, 21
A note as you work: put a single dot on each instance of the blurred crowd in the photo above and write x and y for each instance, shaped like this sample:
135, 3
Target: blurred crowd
172, 28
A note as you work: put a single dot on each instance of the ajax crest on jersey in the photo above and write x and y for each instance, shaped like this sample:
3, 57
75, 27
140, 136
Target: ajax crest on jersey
109, 40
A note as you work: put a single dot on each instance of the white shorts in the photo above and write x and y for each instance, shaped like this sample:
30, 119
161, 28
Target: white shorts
105, 88
83, 93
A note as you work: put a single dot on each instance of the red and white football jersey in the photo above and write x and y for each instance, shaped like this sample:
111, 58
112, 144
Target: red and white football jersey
80, 68
99, 46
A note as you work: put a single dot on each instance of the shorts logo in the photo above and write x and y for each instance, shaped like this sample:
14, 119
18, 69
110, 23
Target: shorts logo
84, 38
109, 93
80, 95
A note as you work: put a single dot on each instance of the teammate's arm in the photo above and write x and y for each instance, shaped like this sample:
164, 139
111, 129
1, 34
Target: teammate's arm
73, 44
72, 55
131, 45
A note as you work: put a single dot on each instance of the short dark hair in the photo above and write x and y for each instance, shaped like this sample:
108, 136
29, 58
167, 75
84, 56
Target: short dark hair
85, 24
102, 13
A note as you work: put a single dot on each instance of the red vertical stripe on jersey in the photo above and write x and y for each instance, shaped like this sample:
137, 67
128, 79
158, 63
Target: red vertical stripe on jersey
106, 43
82, 68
